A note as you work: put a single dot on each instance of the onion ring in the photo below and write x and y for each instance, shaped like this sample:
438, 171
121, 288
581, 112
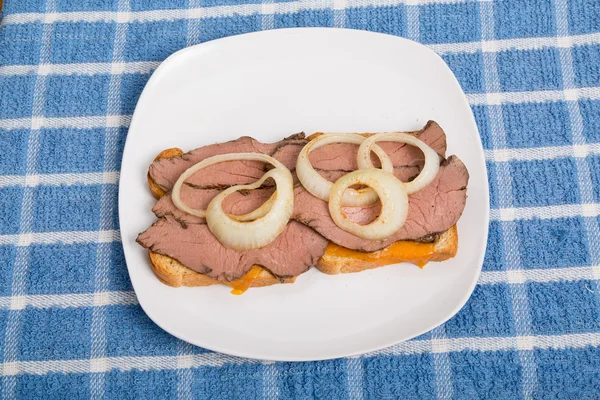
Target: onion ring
394, 203
432, 159
262, 231
176, 192
320, 187
267, 221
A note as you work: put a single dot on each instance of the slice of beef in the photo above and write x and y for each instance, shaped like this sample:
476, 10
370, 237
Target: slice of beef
293, 252
166, 171
432, 210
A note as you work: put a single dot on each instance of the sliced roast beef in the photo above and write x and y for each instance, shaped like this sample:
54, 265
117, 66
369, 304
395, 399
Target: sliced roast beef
434, 209
332, 162
166, 171
293, 252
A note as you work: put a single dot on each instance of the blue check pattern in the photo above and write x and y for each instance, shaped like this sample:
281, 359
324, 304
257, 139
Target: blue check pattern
70, 326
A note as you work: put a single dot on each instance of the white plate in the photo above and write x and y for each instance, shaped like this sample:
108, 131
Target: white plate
268, 85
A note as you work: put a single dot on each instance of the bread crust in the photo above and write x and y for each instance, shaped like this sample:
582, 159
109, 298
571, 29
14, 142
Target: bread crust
170, 272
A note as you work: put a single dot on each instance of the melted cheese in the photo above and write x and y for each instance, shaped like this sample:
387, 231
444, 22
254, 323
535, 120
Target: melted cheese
242, 284
403, 251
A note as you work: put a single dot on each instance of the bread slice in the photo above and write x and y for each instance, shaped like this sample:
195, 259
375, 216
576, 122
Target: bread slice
171, 272
335, 260
338, 259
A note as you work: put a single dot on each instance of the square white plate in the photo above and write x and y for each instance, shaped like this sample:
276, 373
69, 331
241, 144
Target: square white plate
269, 85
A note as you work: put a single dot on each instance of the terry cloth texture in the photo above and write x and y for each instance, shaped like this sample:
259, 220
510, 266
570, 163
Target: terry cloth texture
70, 326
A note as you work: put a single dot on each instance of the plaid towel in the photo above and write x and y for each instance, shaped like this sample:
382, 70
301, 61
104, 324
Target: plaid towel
70, 326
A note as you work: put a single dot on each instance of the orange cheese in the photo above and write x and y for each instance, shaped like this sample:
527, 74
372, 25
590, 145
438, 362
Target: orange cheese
403, 251
242, 284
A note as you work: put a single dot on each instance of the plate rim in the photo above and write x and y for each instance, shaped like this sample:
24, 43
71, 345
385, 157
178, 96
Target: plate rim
364, 351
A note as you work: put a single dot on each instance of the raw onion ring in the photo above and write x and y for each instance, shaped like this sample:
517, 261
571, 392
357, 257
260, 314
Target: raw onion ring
432, 159
394, 203
320, 187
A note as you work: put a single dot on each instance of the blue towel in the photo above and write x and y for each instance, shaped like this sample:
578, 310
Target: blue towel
70, 326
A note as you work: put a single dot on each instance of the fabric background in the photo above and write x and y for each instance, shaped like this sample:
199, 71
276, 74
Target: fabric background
70, 326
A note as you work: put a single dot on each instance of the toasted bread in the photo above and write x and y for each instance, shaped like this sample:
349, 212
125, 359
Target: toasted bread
172, 273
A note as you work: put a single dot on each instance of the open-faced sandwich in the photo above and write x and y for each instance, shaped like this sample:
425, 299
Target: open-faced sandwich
249, 214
